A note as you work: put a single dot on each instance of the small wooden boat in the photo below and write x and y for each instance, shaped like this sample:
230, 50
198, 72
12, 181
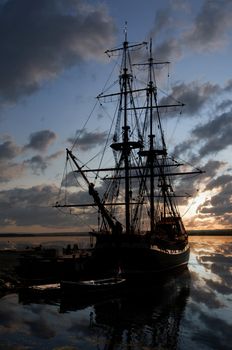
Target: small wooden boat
94, 286
45, 287
43, 293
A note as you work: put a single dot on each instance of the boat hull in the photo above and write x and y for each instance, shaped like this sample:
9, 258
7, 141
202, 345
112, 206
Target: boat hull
136, 260
94, 287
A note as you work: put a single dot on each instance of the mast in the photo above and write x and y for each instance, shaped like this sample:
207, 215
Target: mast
126, 146
126, 150
151, 91
153, 153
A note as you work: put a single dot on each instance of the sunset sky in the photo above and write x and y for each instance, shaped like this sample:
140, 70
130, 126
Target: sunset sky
52, 66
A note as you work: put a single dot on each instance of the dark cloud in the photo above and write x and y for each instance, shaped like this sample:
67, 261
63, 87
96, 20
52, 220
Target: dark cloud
34, 206
184, 147
40, 40
223, 105
169, 50
88, 140
189, 186
217, 125
209, 30
162, 21
212, 167
207, 139
168, 43
9, 150
55, 155
220, 203
37, 163
216, 134
217, 205
194, 95
12, 168
228, 86
71, 179
220, 181
9, 168
201, 35
40, 140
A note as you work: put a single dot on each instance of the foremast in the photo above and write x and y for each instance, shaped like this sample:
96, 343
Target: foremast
126, 146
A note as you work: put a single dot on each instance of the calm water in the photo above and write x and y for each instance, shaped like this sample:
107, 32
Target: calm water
191, 311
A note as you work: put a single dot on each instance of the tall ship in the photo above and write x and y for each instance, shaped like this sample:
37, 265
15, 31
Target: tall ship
139, 231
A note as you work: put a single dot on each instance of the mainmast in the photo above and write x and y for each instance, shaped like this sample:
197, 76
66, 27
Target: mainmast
124, 82
151, 91
153, 153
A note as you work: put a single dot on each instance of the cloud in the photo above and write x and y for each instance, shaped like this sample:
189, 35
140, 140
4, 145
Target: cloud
207, 138
223, 105
194, 95
40, 140
37, 163
10, 171
31, 206
210, 26
55, 155
39, 41
207, 31
163, 22
228, 86
220, 181
191, 185
71, 179
9, 150
169, 49
212, 167
216, 208
88, 140
219, 204
216, 134
166, 30
12, 168
27, 207
218, 124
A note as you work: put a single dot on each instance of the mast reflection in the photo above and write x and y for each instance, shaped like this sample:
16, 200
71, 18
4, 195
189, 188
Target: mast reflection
148, 316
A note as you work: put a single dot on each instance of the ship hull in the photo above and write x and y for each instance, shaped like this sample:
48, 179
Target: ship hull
135, 259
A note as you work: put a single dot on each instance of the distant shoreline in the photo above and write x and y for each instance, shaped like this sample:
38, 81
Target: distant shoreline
59, 234
227, 232
210, 232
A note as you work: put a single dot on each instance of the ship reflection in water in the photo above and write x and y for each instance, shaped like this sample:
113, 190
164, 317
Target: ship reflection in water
147, 317
192, 310
134, 318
